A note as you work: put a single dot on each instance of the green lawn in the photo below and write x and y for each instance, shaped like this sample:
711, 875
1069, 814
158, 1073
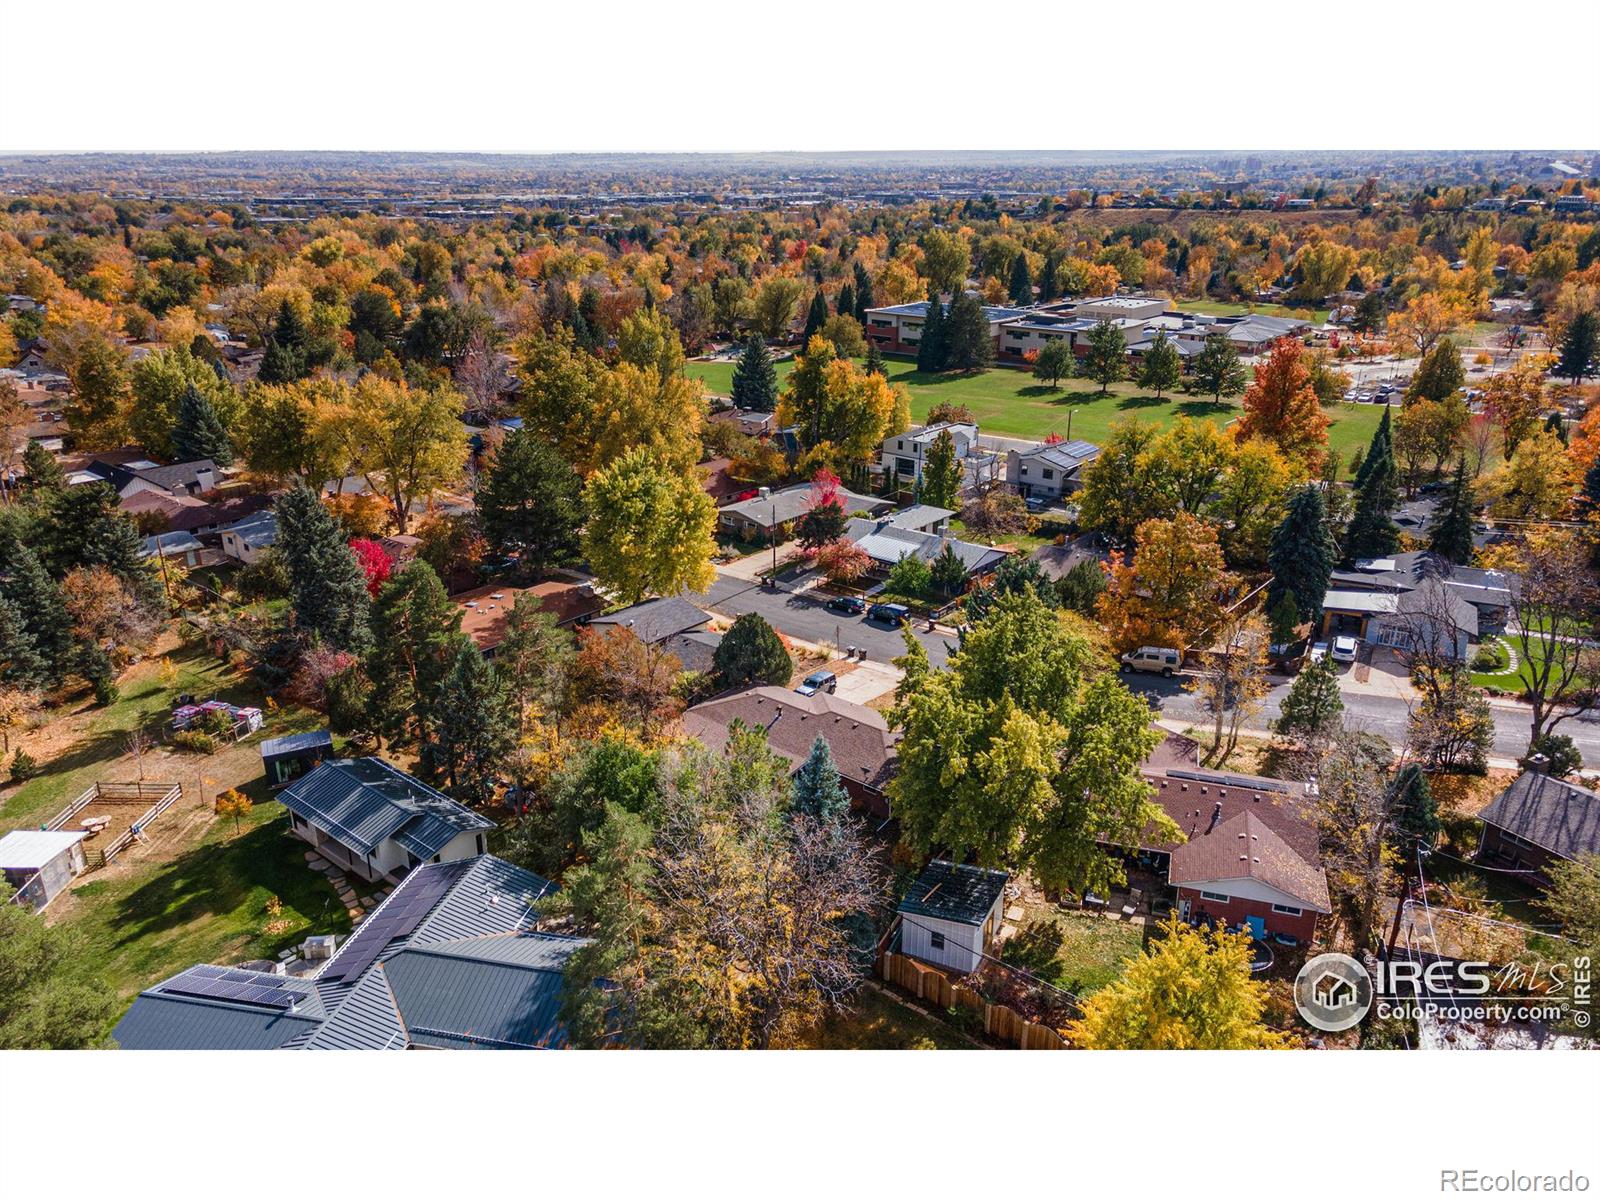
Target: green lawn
1078, 951
1012, 403
1220, 308
207, 904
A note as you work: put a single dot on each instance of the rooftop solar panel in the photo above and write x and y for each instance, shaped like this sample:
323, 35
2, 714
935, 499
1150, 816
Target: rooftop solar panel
251, 991
396, 918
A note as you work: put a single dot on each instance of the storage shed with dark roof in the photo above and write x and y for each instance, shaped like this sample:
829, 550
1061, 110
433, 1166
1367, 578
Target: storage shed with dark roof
951, 914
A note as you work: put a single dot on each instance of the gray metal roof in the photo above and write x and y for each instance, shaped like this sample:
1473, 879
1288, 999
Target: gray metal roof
884, 543
30, 849
953, 892
790, 504
157, 1022
293, 743
362, 802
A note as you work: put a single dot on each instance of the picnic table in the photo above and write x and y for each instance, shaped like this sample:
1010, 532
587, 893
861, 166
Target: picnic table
95, 824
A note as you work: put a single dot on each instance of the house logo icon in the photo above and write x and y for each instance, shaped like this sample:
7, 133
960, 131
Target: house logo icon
1332, 992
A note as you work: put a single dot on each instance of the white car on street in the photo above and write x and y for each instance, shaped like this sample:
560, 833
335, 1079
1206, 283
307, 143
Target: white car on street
1344, 649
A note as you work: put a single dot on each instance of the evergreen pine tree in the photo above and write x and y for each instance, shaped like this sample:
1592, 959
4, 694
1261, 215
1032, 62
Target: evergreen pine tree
1371, 533
21, 664
941, 477
816, 791
1450, 533
1313, 709
472, 730
1301, 554
1580, 347
1440, 374
1021, 287
1414, 814
947, 572
197, 431
44, 473
875, 365
864, 298
967, 341
1162, 367
1283, 619
1049, 288
931, 349
755, 379
530, 503
751, 652
816, 317
47, 625
415, 634
1588, 501
328, 589
285, 358
845, 302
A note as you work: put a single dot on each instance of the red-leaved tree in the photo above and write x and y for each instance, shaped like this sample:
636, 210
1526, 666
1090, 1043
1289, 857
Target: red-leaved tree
375, 562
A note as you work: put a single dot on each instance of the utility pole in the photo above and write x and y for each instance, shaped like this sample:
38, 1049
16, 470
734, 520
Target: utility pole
774, 541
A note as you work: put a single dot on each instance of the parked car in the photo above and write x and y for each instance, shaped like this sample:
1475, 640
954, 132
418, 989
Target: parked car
818, 681
889, 614
1344, 649
1319, 651
1152, 658
849, 605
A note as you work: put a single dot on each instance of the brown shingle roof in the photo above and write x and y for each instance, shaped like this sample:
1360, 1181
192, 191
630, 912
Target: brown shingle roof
1244, 847
484, 610
863, 745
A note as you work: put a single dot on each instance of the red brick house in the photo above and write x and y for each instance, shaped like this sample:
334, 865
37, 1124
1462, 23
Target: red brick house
1249, 855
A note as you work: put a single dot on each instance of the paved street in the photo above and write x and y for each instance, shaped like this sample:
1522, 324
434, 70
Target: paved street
1382, 715
805, 616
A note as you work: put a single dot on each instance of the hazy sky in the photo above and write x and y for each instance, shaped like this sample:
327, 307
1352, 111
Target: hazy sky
486, 75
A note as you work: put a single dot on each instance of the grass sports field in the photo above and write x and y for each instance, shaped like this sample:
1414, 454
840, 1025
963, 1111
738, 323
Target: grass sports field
1012, 403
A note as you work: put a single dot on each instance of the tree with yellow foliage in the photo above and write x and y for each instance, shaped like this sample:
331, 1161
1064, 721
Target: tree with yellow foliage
1191, 990
1172, 593
235, 804
1427, 318
839, 405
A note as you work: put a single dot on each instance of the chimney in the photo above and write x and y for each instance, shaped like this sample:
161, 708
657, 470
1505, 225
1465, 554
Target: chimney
1538, 764
764, 493
1216, 815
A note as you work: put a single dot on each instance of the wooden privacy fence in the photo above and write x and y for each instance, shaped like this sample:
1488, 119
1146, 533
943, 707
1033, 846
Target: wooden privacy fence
158, 796
934, 986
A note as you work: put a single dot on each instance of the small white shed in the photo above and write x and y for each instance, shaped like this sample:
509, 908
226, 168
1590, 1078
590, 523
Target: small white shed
39, 863
951, 914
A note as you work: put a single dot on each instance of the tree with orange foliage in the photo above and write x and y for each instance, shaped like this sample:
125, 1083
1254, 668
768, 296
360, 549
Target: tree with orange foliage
1171, 594
1281, 407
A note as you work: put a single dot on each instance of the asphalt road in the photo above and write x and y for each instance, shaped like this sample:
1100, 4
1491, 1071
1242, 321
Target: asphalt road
805, 616
1384, 716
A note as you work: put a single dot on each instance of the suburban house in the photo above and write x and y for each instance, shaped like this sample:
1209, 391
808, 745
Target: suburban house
452, 960
951, 914
887, 543
1489, 592
143, 475
1049, 471
247, 540
862, 744
654, 621
920, 518
1425, 616
905, 454
287, 758
38, 864
1537, 821
1250, 855
366, 816
485, 611
180, 545
756, 519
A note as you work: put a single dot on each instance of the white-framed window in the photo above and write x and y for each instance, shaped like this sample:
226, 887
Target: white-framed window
1217, 896
936, 940
1287, 910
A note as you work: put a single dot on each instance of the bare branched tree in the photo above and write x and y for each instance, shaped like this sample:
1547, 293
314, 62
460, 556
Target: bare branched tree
1353, 814
1554, 602
482, 374
1232, 681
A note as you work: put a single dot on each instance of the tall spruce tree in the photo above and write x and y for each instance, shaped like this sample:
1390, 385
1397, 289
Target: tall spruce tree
472, 730
875, 364
816, 317
1580, 348
530, 503
931, 349
815, 790
416, 632
328, 589
285, 358
864, 298
1301, 554
44, 473
45, 623
21, 664
1313, 710
751, 652
1440, 374
942, 474
197, 431
755, 379
1049, 287
1371, 534
845, 302
1450, 533
1020, 288
968, 343
1414, 814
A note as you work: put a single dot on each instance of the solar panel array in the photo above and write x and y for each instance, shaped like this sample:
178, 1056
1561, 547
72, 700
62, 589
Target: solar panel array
1245, 783
395, 918
241, 987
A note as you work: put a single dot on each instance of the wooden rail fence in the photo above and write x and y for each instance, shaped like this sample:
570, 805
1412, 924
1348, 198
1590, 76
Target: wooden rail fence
158, 796
999, 1021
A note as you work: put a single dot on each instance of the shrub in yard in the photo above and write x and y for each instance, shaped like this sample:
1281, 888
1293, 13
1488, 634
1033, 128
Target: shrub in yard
23, 767
1489, 658
910, 577
218, 723
196, 741
106, 691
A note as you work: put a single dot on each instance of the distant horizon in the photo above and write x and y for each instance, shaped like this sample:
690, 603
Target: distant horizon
1002, 153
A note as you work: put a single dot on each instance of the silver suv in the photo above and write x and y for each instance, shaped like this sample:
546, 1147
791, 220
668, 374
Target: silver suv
1152, 658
